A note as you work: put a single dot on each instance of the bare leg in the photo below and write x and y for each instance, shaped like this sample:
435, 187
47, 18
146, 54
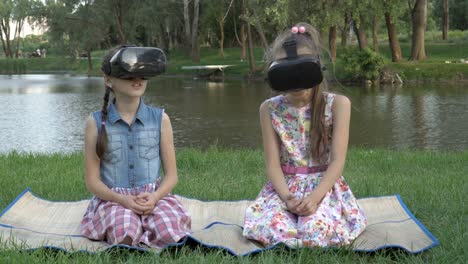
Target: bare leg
126, 241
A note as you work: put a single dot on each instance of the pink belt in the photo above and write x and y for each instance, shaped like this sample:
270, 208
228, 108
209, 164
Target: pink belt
303, 170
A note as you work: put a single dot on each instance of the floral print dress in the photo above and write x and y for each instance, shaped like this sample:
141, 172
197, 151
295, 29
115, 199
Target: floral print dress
338, 219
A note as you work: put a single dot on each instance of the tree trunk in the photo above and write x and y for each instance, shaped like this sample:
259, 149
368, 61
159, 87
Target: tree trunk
258, 26
5, 28
418, 17
344, 32
242, 40
187, 29
169, 31
375, 37
90, 63
164, 37
19, 28
120, 19
250, 45
445, 20
222, 20
243, 54
394, 43
3, 42
243, 36
332, 42
361, 34
221, 41
195, 48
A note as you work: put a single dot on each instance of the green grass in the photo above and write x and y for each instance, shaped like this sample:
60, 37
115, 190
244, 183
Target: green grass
50, 64
8, 66
432, 184
430, 71
435, 52
176, 61
209, 56
433, 68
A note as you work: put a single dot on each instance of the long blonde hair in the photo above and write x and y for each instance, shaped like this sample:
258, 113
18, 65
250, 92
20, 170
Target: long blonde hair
319, 130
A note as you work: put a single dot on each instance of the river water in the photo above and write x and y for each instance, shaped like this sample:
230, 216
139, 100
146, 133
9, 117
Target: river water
46, 113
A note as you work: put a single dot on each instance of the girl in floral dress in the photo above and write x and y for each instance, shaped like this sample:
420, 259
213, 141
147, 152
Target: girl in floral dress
306, 202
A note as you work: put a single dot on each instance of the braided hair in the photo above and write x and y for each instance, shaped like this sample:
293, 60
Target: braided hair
102, 140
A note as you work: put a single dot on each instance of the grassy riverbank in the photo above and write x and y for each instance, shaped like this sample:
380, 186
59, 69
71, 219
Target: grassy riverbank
435, 67
431, 184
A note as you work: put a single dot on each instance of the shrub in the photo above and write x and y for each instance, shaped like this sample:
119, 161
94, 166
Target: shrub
12, 66
362, 64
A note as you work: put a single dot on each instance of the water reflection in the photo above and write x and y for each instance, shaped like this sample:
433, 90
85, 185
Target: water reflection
46, 113
210, 113
429, 117
42, 83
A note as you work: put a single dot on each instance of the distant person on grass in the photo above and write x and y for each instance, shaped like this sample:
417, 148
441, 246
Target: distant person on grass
306, 202
125, 143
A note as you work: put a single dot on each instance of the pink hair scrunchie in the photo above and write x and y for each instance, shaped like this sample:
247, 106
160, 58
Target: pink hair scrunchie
296, 30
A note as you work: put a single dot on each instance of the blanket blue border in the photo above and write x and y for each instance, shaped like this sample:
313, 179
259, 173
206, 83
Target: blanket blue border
435, 242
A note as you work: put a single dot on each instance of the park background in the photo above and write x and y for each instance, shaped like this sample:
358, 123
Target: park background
407, 138
360, 36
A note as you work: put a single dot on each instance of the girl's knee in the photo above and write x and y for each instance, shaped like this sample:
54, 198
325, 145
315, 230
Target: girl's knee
315, 225
281, 227
125, 218
168, 236
124, 228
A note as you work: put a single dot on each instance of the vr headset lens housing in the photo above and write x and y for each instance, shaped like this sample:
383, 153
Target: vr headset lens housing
294, 72
137, 62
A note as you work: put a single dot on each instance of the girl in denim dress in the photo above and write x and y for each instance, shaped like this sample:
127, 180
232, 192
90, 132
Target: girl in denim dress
307, 202
125, 145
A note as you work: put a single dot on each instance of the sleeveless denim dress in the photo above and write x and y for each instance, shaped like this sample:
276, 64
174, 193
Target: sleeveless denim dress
131, 166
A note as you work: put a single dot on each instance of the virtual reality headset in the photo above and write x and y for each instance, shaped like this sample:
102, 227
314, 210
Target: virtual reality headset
294, 72
136, 62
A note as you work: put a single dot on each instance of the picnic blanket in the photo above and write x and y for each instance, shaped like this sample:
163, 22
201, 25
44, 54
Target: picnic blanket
31, 222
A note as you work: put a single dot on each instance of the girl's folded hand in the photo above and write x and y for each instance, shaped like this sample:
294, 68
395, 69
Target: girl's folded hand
148, 201
292, 202
307, 206
131, 202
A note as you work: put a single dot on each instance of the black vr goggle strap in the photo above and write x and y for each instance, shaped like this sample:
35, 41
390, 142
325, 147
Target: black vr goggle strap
290, 46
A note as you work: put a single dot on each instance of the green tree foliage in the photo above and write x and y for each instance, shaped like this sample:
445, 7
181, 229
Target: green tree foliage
458, 13
458, 10
158, 24
78, 25
216, 12
362, 64
13, 15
